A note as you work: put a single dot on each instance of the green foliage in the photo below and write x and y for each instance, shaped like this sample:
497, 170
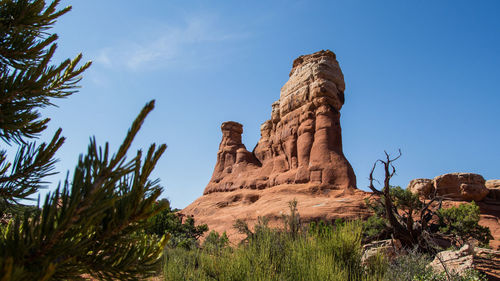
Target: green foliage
182, 234
28, 80
460, 223
374, 227
405, 200
463, 223
242, 227
320, 228
409, 266
326, 251
272, 254
377, 264
215, 242
413, 267
92, 223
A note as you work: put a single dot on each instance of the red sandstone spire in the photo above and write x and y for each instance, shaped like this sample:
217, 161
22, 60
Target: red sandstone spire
301, 143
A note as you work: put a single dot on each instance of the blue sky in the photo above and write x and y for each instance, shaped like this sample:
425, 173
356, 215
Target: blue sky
422, 76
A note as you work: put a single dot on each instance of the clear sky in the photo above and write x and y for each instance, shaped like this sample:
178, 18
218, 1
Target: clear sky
422, 76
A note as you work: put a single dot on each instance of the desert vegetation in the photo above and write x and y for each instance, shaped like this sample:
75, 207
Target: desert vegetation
401, 214
297, 251
105, 220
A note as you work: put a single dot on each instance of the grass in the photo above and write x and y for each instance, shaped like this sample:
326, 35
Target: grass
272, 254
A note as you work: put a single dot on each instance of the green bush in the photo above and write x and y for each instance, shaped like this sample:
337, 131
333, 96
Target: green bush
457, 225
374, 227
407, 267
215, 243
182, 233
274, 254
463, 223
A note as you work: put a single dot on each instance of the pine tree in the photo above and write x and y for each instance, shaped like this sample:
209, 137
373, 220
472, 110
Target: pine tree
92, 223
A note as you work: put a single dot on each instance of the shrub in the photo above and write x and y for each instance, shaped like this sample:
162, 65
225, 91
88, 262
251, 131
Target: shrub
215, 242
407, 267
413, 222
182, 233
333, 253
374, 228
463, 223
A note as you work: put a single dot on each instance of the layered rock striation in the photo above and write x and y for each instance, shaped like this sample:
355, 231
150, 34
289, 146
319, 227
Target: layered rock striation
298, 157
454, 186
300, 144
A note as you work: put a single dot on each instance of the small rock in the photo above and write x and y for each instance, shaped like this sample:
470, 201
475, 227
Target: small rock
390, 248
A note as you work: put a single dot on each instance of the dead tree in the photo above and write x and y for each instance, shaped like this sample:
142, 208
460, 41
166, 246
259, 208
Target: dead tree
411, 227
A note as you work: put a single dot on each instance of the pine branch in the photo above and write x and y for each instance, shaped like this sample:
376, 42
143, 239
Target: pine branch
93, 223
30, 166
27, 80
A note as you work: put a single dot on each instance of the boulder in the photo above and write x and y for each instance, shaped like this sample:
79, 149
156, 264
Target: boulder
422, 187
466, 258
492, 184
457, 261
389, 248
494, 189
461, 186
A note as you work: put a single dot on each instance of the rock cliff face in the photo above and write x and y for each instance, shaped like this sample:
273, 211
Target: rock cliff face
301, 143
298, 157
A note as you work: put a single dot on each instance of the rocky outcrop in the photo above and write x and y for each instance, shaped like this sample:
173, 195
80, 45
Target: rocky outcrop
298, 157
220, 210
466, 258
454, 261
300, 144
455, 186
464, 186
459, 188
492, 184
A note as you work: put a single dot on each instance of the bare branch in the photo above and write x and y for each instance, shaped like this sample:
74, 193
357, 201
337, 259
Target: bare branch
371, 186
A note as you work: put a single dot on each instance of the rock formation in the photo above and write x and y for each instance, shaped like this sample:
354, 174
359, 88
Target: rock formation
456, 186
466, 258
466, 186
301, 143
299, 156
422, 187
494, 189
